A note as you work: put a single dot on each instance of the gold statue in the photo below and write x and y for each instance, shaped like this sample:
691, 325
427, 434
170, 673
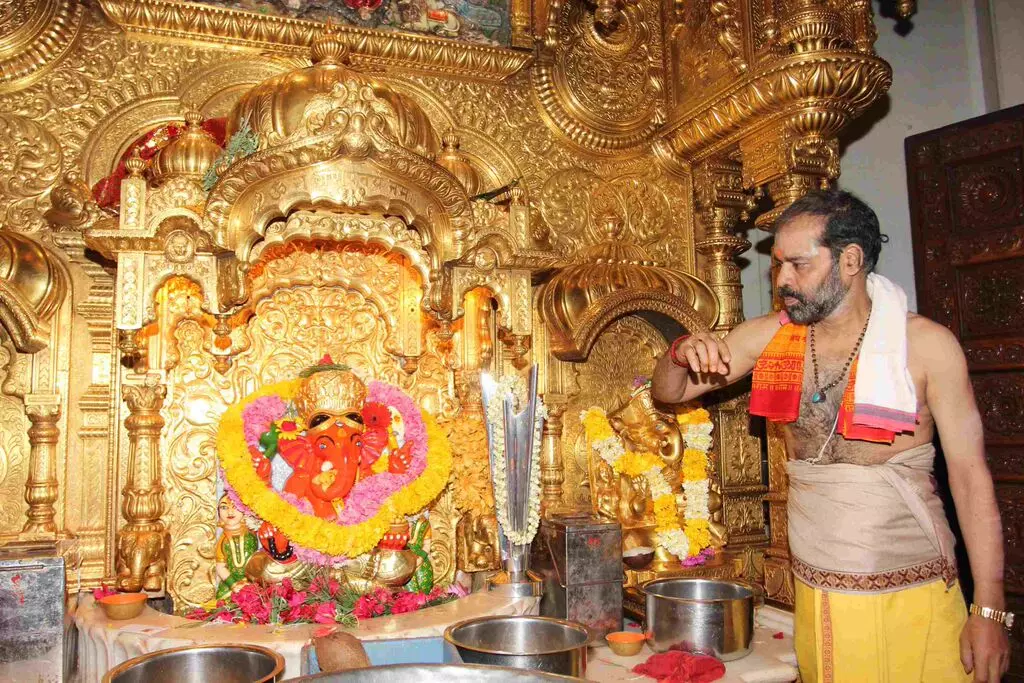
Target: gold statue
478, 548
644, 427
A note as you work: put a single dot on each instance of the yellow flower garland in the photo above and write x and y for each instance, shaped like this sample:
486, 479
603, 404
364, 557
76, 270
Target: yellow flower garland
696, 427
310, 531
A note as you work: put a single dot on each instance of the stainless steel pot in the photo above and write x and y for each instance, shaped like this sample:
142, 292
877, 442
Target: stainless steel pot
439, 673
221, 663
540, 643
700, 615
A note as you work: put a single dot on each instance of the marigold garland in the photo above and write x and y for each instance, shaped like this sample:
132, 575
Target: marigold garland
308, 530
696, 427
690, 540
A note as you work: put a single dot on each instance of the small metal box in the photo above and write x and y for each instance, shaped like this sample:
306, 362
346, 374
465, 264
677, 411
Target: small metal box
35, 629
579, 558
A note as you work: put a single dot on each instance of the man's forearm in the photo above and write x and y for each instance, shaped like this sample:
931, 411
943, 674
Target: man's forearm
979, 520
668, 384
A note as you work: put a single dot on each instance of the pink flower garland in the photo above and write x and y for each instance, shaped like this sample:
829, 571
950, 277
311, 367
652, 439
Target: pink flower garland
368, 495
259, 415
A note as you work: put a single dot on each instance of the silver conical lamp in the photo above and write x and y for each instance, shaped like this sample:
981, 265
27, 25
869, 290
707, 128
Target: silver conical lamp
511, 460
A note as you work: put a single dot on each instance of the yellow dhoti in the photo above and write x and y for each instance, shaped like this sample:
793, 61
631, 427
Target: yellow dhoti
904, 636
876, 596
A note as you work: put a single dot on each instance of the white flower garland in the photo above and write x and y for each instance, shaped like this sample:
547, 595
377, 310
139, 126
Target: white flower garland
514, 385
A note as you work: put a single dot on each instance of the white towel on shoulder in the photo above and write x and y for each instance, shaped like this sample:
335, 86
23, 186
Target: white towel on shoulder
884, 395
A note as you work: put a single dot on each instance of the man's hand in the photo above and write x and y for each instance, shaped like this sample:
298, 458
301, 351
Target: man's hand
706, 353
984, 649
712, 362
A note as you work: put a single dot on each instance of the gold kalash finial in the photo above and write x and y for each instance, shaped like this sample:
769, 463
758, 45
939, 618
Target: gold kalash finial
329, 46
330, 391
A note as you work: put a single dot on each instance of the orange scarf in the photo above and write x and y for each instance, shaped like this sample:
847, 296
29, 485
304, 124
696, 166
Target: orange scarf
779, 379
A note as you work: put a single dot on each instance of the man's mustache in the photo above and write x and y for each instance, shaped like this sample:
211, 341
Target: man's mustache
785, 292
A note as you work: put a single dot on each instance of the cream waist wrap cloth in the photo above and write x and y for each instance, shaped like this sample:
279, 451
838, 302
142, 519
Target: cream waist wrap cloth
869, 528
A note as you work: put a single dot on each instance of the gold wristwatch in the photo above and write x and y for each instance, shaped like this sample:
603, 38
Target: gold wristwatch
1004, 618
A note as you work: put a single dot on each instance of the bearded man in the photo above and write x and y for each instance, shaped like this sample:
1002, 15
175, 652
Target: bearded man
860, 386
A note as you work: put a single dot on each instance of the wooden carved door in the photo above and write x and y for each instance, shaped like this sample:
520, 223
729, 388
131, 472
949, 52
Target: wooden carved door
966, 185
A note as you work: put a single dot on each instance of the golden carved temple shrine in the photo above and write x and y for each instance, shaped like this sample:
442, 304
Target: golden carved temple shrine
358, 301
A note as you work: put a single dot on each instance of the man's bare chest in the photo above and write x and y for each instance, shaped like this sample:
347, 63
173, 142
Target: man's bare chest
814, 435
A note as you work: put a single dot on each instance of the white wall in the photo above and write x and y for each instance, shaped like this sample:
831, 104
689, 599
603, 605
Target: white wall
953, 65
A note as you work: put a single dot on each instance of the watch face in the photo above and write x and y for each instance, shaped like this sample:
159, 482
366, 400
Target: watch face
1009, 620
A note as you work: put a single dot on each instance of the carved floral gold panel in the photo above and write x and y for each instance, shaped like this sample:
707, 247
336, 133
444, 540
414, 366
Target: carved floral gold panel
627, 349
13, 465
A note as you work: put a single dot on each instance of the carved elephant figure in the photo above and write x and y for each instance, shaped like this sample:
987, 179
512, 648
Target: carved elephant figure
142, 561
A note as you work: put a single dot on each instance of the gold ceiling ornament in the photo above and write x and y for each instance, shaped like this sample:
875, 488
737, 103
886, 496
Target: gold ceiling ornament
33, 284
187, 156
34, 36
196, 22
602, 84
813, 66
840, 86
611, 279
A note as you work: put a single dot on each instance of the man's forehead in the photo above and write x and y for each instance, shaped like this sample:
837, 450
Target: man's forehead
799, 238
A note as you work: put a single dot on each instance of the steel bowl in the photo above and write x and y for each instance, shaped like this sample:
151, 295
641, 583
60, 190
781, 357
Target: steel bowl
708, 616
221, 663
540, 643
438, 673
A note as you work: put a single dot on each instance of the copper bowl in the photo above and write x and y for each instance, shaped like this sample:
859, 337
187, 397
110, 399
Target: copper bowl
123, 605
625, 643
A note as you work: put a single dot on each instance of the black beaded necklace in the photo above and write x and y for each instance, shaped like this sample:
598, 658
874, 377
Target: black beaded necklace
819, 395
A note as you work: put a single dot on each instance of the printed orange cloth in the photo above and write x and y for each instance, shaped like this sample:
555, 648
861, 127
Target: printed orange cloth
779, 378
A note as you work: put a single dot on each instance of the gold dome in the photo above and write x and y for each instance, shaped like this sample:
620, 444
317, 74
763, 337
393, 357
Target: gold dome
312, 99
190, 155
456, 163
613, 279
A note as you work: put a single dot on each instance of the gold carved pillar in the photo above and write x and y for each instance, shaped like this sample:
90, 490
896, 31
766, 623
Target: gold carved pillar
720, 202
43, 411
552, 474
142, 543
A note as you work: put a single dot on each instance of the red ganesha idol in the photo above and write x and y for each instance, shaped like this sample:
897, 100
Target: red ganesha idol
345, 440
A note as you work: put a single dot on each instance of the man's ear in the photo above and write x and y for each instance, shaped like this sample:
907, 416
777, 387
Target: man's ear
851, 261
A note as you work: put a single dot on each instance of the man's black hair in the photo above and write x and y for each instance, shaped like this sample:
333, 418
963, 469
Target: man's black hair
848, 221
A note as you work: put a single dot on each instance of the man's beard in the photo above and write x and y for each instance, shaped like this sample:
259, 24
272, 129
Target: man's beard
819, 305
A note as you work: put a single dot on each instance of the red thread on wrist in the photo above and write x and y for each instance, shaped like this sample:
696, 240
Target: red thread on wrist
674, 357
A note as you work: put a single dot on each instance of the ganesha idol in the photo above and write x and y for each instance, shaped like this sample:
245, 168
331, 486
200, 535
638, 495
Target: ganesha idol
332, 469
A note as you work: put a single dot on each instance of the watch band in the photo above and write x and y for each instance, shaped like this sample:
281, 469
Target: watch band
674, 357
1003, 617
